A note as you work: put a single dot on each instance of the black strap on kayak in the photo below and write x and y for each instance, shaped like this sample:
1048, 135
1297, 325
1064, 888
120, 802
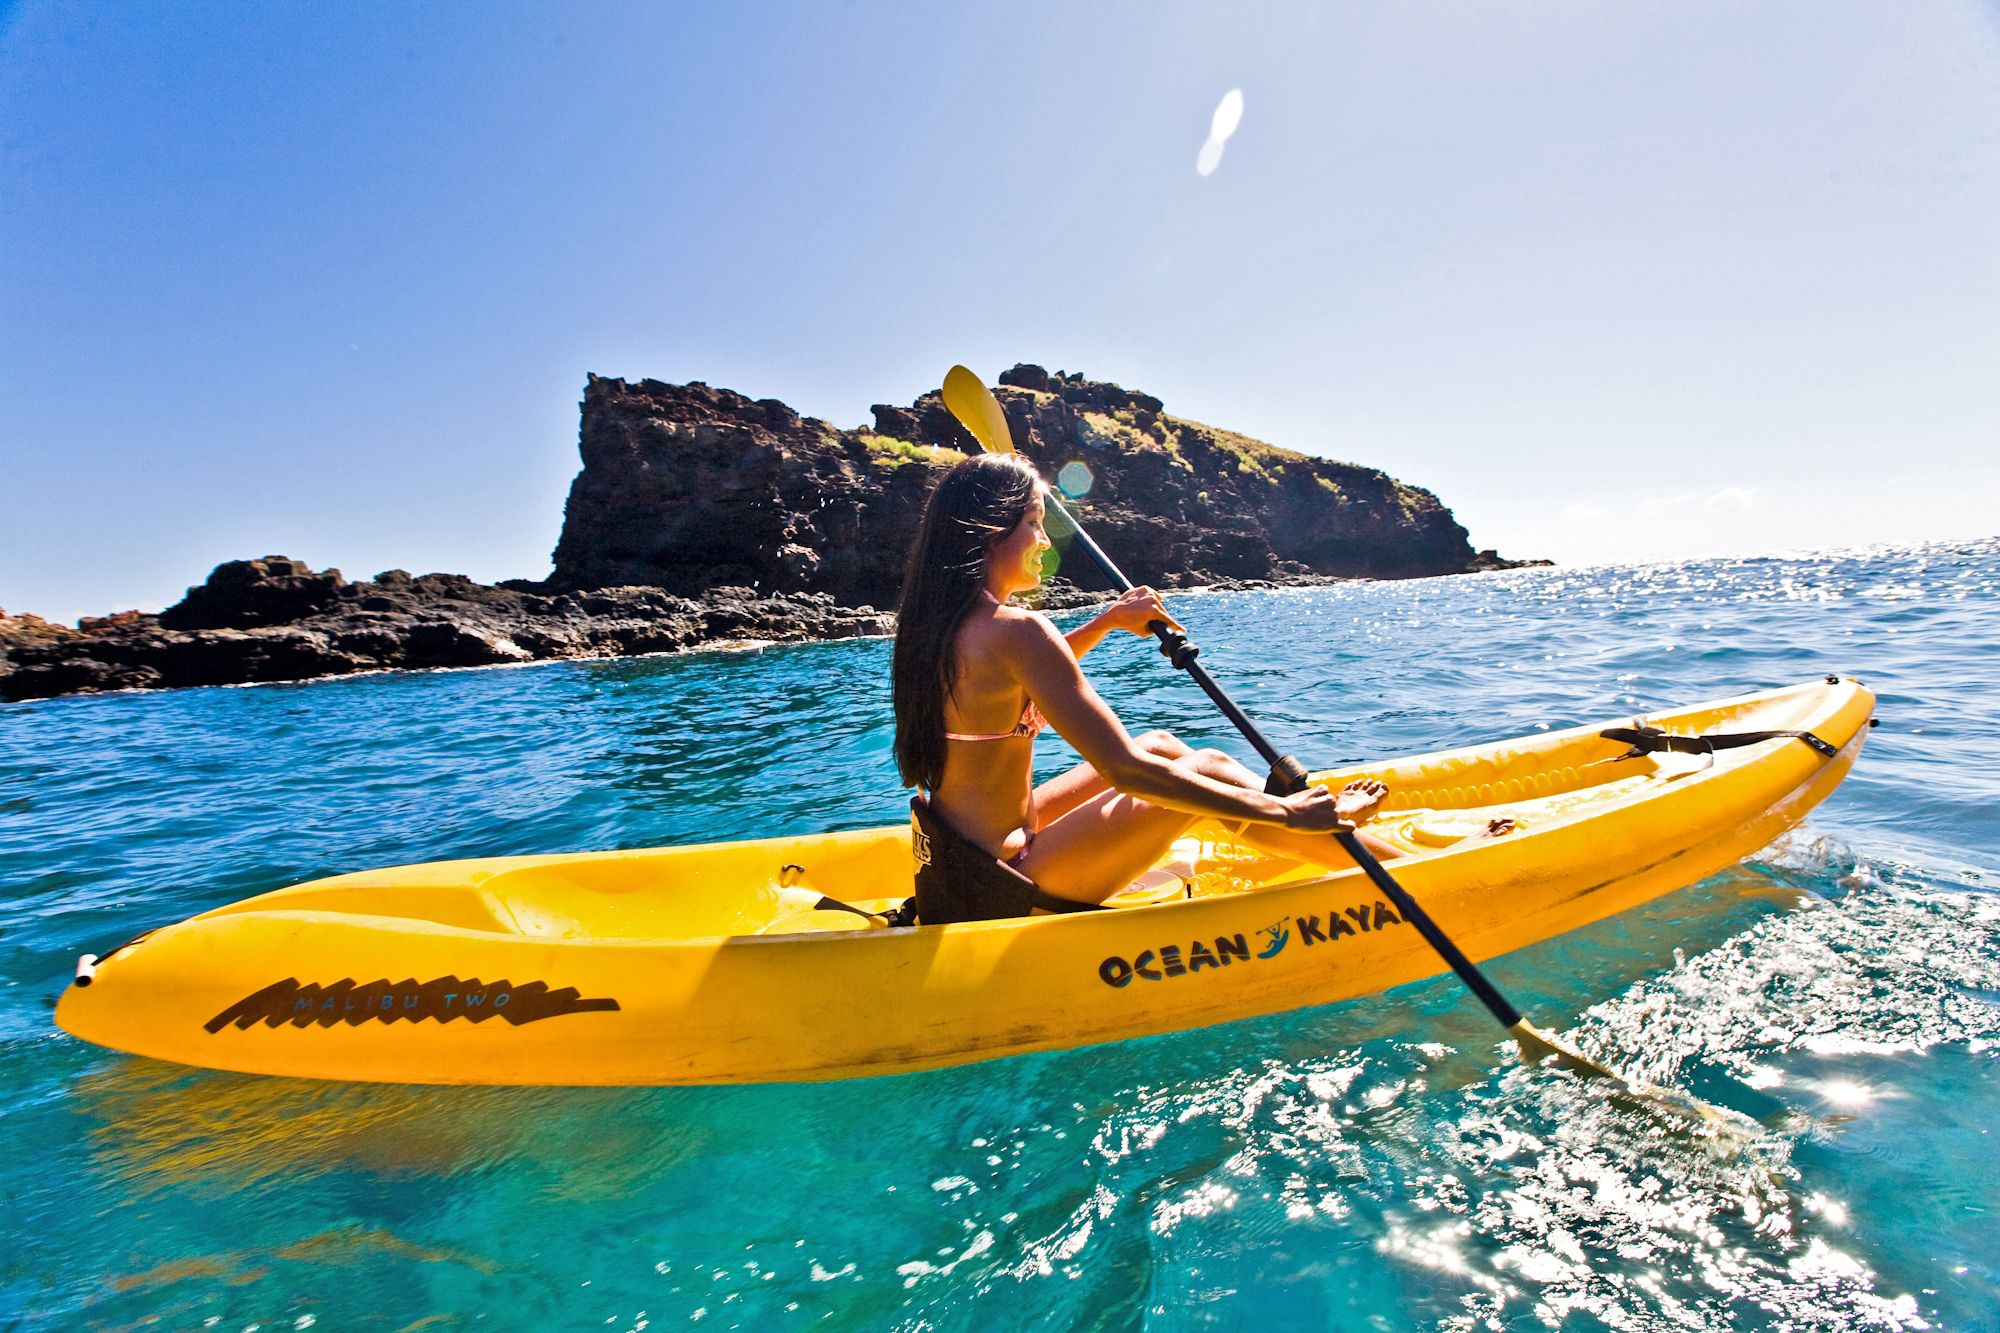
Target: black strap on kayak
906, 915
1651, 740
792, 874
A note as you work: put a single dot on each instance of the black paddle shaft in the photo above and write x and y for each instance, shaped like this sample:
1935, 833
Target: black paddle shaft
1288, 776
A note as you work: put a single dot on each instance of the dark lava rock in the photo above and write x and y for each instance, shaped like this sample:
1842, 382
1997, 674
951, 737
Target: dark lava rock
690, 488
393, 621
243, 594
1489, 560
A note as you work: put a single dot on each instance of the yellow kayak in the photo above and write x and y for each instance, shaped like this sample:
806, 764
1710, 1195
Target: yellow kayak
722, 964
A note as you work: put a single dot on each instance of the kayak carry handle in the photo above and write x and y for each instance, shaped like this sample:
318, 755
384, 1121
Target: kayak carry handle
86, 969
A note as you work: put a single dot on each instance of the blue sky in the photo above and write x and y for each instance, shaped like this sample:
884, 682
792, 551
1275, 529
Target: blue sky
1618, 282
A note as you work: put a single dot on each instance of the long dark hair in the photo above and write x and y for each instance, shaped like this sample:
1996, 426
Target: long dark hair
976, 503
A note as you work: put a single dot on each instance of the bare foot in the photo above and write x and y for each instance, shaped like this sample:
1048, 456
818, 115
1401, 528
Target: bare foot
1359, 800
1497, 828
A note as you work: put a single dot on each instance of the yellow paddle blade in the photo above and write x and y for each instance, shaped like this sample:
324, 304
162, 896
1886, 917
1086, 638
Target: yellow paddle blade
1538, 1047
977, 410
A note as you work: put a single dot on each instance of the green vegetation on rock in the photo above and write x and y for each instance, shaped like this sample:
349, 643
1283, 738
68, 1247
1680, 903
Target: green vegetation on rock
898, 453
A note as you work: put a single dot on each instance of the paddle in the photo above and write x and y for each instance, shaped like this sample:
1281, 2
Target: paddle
968, 398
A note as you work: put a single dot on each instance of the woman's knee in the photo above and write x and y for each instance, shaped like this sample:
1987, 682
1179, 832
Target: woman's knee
1200, 761
1218, 765
1162, 743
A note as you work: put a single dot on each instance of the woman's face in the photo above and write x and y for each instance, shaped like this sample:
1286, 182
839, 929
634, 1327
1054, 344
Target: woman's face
1016, 559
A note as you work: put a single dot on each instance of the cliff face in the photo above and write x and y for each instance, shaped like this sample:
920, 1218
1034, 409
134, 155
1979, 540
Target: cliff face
689, 488
686, 488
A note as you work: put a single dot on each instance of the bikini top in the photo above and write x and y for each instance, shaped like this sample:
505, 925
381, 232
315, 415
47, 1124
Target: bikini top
1030, 724
1031, 721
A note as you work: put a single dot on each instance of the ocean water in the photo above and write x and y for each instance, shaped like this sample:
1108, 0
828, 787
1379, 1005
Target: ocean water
1375, 1165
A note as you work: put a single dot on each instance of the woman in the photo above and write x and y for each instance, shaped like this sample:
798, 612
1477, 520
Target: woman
974, 679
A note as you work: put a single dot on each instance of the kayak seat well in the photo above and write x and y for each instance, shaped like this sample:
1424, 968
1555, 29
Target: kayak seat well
1462, 812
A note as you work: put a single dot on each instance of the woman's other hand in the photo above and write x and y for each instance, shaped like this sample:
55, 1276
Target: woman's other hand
1136, 611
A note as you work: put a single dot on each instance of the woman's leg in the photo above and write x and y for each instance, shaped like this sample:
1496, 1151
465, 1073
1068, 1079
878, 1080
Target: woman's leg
1105, 839
1065, 792
1101, 845
1319, 848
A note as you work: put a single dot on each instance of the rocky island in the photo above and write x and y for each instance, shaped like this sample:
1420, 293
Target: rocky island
701, 516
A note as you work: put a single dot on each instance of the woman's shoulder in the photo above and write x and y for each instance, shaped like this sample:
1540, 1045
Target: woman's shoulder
1031, 641
1009, 626
1023, 620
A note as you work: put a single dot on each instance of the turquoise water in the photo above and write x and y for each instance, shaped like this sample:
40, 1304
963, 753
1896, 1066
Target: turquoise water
1369, 1165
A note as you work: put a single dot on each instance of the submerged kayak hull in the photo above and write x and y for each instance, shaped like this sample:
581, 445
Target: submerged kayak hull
708, 965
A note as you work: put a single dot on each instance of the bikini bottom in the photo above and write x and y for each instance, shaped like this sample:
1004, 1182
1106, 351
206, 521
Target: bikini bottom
957, 880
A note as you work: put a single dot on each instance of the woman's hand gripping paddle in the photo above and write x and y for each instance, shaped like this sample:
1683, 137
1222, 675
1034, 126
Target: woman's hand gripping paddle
968, 398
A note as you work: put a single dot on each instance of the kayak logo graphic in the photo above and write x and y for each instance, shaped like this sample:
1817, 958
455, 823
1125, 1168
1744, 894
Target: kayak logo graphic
309, 1004
1278, 933
1175, 960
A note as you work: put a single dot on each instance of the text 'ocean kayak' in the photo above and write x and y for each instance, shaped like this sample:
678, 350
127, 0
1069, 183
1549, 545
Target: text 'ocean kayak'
714, 964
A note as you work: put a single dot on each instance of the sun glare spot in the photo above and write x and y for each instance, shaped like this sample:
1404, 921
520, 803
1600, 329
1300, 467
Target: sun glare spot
1848, 1094
1228, 115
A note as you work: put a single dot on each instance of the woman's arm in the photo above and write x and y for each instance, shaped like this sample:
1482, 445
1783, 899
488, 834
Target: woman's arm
1133, 612
1048, 671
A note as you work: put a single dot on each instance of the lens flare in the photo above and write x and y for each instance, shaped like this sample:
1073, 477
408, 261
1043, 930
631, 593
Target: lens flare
1075, 480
